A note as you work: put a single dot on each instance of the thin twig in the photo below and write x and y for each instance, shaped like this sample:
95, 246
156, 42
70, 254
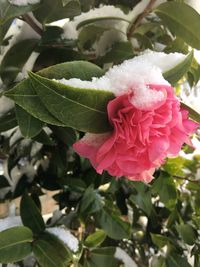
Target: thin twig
186, 179
32, 23
139, 19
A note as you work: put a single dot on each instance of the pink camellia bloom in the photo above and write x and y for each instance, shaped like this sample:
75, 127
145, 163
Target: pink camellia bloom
142, 137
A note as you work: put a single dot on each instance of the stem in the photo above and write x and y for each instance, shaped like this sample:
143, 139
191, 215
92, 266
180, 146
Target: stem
139, 19
186, 179
32, 23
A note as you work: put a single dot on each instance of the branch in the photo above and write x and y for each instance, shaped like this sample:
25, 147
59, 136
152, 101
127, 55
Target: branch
32, 24
139, 19
186, 179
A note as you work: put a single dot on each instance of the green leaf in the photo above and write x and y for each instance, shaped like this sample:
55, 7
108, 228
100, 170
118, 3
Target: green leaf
165, 187
66, 2
65, 134
89, 34
30, 214
3, 29
24, 95
103, 257
3, 182
46, 255
44, 138
175, 260
175, 74
99, 19
182, 20
29, 125
15, 58
52, 10
90, 202
193, 114
15, 244
8, 10
187, 233
118, 53
82, 109
112, 224
142, 198
8, 121
95, 239
159, 240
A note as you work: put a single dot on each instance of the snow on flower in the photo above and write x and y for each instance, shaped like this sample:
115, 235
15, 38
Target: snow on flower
66, 237
148, 122
23, 2
10, 222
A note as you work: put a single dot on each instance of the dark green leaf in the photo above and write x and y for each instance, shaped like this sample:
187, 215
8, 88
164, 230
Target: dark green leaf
95, 239
65, 134
30, 214
66, 2
118, 53
8, 11
15, 244
175, 74
90, 202
103, 257
175, 260
3, 182
165, 187
82, 109
24, 95
8, 121
3, 29
182, 20
52, 10
187, 233
29, 125
15, 58
44, 138
112, 224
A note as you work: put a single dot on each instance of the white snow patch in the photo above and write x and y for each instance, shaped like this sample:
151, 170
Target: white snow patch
134, 75
121, 255
10, 222
23, 2
66, 237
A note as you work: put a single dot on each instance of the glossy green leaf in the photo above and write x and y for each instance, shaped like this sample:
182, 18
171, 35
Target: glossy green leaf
46, 255
95, 239
81, 109
8, 121
103, 257
182, 20
30, 214
15, 244
29, 125
112, 224
8, 10
52, 10
193, 114
187, 233
24, 95
159, 240
90, 202
15, 58
175, 74
165, 187
175, 260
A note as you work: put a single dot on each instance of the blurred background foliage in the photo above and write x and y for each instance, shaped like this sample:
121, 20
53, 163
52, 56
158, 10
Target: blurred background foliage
117, 222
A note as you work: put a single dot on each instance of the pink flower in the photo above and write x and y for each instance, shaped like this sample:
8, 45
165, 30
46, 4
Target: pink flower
141, 138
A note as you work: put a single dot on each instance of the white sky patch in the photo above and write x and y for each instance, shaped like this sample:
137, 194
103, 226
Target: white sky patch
66, 237
23, 2
134, 75
121, 255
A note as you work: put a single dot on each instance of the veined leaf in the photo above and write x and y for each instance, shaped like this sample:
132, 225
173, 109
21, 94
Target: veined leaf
8, 10
29, 125
15, 244
25, 96
81, 109
182, 20
175, 74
